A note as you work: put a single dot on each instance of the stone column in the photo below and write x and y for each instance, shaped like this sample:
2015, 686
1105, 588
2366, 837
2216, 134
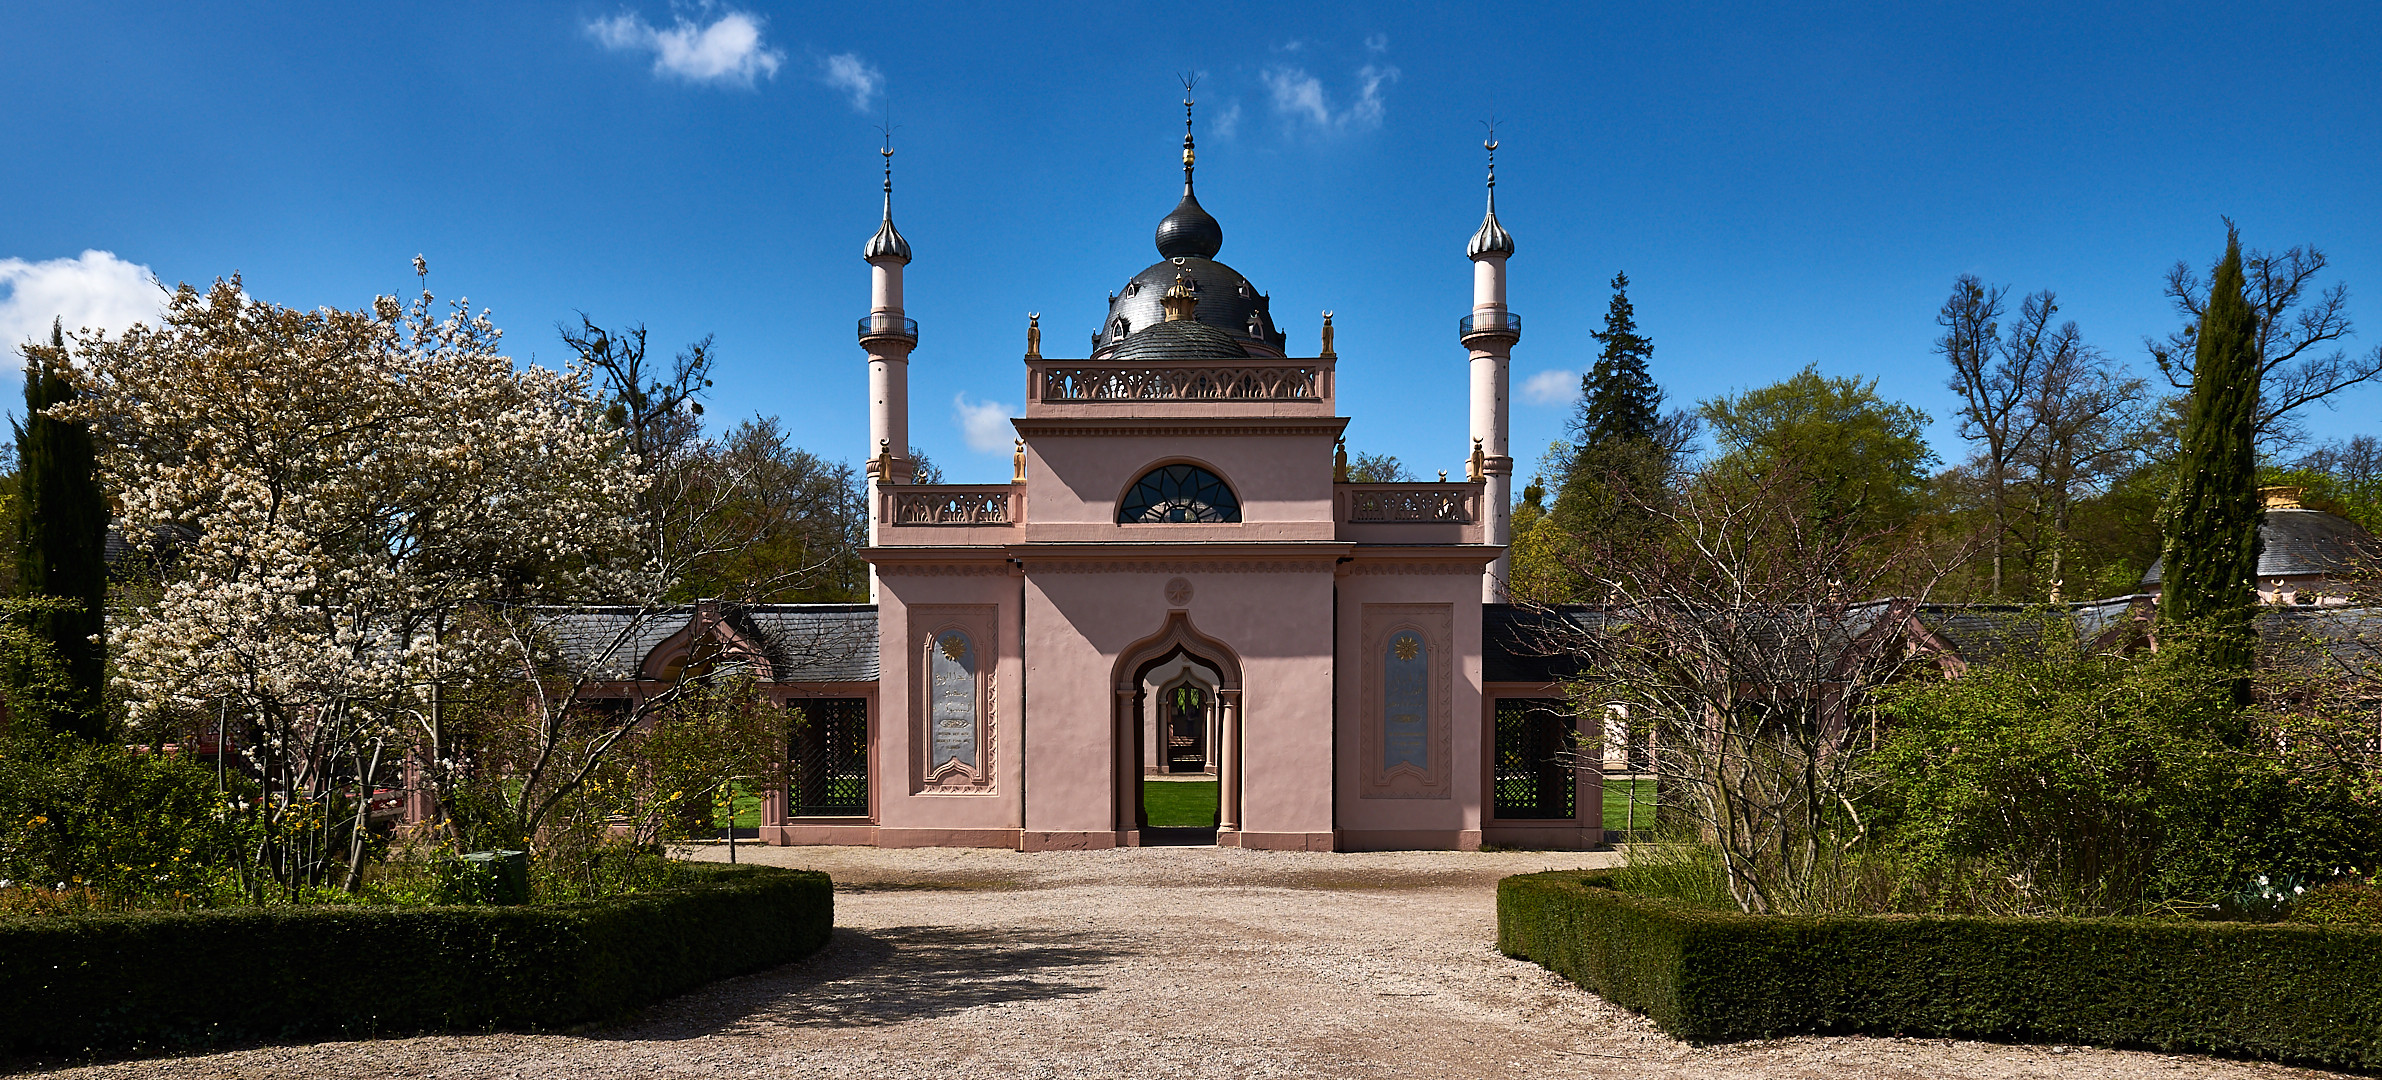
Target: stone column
1228, 765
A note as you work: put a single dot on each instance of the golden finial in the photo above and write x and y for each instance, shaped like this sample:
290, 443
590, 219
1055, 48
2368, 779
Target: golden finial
1340, 460
1018, 463
1190, 157
1034, 334
1327, 335
1476, 466
1179, 300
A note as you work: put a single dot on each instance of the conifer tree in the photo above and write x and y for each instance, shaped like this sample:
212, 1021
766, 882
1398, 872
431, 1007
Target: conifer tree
1619, 464
2210, 523
62, 538
1618, 398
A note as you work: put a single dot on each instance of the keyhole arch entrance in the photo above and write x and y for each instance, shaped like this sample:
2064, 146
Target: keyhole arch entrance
1178, 639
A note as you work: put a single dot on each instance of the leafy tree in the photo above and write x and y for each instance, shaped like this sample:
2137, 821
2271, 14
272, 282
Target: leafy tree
2211, 521
1864, 459
62, 539
801, 516
1366, 468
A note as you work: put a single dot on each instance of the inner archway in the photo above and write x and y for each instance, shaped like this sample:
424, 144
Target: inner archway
1177, 724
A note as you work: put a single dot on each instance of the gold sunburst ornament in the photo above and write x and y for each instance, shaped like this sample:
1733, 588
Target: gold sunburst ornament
1408, 648
955, 648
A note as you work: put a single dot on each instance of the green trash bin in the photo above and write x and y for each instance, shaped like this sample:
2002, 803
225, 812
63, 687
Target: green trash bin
495, 877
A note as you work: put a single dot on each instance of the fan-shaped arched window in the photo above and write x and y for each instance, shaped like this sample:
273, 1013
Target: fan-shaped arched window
1179, 493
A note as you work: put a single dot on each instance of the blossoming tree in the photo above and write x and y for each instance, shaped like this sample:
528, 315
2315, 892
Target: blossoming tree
352, 485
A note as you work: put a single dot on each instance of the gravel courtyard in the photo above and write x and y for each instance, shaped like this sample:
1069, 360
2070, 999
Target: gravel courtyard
1160, 962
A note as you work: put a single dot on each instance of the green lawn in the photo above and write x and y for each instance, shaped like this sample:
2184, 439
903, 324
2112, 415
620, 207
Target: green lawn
748, 811
1181, 804
1618, 793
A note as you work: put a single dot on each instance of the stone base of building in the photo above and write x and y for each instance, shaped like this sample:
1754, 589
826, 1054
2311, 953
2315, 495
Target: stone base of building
1409, 840
1553, 836
1277, 841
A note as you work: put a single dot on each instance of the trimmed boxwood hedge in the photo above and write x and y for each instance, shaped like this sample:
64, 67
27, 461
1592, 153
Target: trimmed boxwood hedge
178, 979
2294, 993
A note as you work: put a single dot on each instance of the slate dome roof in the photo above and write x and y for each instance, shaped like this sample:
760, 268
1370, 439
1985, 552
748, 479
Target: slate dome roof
1227, 303
2294, 541
1182, 339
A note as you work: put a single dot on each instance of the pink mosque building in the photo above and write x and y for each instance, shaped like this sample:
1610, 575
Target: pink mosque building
1178, 579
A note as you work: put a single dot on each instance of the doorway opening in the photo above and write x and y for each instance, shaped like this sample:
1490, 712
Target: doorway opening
1177, 770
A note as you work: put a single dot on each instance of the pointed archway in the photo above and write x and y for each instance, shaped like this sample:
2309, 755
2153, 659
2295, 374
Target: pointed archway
1177, 639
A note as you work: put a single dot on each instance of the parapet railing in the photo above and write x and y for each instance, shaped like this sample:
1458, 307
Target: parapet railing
1087, 382
1491, 324
879, 325
953, 504
1408, 504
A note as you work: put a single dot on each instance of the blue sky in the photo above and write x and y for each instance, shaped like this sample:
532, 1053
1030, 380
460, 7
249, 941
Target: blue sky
1783, 187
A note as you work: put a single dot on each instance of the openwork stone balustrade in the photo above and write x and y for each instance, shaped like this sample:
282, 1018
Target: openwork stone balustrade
1093, 383
949, 505
1431, 504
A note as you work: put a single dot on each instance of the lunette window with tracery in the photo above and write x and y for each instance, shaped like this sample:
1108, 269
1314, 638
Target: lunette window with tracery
1179, 493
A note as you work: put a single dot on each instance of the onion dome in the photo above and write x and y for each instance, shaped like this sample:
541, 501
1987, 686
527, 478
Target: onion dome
1189, 232
888, 243
1189, 279
1491, 239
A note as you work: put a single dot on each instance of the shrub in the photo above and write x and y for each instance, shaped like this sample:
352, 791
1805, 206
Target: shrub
2104, 785
2299, 993
161, 980
137, 828
2342, 903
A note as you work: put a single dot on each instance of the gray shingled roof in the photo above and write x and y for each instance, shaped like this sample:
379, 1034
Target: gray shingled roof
2295, 542
2347, 639
805, 642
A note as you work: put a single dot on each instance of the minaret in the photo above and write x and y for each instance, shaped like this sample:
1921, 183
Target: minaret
887, 336
1489, 333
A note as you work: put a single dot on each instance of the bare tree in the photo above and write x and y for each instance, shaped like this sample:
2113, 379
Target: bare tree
1993, 381
2087, 425
2299, 362
1748, 640
702, 503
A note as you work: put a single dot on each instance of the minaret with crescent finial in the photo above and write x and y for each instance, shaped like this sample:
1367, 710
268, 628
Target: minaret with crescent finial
1489, 334
887, 336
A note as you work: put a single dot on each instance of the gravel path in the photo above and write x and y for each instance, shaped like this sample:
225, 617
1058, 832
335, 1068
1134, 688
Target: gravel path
1161, 962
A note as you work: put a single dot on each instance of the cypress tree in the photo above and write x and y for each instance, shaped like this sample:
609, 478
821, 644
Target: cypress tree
1618, 398
62, 540
2211, 520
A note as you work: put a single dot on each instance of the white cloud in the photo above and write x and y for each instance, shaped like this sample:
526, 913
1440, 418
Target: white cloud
852, 75
1378, 43
985, 424
729, 50
95, 290
1553, 387
1300, 98
1227, 121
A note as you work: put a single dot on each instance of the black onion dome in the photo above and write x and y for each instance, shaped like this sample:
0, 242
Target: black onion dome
1227, 303
1190, 231
1182, 339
